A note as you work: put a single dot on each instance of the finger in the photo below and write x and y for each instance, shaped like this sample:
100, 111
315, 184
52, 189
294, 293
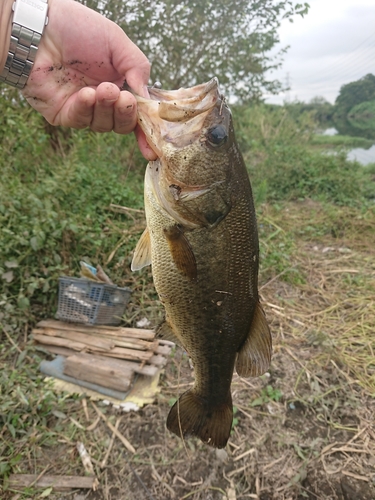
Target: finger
125, 113
78, 110
107, 95
143, 145
137, 78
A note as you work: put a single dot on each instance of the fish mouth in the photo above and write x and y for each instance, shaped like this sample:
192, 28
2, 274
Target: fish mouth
176, 117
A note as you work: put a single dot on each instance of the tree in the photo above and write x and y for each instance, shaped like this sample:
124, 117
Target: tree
354, 93
321, 109
190, 41
362, 116
348, 114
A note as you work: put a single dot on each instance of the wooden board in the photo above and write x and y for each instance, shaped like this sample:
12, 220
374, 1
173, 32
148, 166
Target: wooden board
59, 483
141, 368
98, 339
103, 357
116, 352
84, 338
136, 333
112, 373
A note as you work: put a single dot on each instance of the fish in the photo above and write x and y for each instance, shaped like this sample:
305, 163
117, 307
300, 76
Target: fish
202, 243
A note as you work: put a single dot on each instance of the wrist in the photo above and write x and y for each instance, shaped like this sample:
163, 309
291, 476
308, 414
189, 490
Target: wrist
6, 15
27, 26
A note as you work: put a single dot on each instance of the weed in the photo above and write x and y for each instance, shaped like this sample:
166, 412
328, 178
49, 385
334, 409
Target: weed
267, 395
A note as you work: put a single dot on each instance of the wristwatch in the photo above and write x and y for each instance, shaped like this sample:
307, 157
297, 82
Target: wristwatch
29, 20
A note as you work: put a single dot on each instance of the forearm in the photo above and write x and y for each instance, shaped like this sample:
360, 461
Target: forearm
5, 30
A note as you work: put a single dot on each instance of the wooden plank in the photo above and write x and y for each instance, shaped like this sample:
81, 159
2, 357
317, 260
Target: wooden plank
55, 369
140, 344
93, 338
140, 368
122, 363
132, 354
136, 333
63, 351
104, 372
116, 352
59, 483
45, 339
90, 340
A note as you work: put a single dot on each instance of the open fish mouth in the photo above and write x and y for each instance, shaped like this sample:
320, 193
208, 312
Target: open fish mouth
176, 116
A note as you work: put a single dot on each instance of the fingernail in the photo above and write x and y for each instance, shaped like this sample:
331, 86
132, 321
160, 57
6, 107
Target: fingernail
109, 101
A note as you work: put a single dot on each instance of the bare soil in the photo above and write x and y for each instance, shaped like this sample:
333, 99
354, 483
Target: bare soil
304, 430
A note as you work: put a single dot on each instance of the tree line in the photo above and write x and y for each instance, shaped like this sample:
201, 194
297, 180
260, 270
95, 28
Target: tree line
353, 112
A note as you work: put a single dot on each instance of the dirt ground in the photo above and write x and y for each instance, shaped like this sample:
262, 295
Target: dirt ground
304, 430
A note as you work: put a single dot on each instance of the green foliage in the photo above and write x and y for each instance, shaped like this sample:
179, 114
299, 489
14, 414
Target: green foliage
235, 417
54, 203
362, 116
354, 93
277, 247
190, 41
344, 141
294, 174
26, 404
351, 95
268, 394
283, 165
321, 109
54, 208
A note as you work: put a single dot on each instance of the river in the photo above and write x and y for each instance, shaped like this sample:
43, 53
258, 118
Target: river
361, 155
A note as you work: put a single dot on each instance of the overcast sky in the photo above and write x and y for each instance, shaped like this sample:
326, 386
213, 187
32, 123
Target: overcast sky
333, 45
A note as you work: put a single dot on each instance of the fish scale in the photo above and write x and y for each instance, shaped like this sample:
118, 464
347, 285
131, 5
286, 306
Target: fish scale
201, 240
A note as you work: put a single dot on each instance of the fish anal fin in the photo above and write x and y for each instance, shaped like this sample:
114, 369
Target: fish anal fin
181, 251
165, 332
254, 356
142, 252
191, 415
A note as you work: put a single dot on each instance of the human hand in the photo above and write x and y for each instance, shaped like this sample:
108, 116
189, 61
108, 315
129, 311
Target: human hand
81, 64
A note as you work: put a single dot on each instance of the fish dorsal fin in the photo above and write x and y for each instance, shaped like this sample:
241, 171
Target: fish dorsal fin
255, 355
165, 332
142, 252
181, 251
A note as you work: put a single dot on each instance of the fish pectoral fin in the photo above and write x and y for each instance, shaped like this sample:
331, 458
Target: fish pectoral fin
192, 415
165, 332
142, 252
181, 251
254, 356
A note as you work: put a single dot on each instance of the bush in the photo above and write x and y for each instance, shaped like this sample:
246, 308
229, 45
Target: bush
54, 207
278, 150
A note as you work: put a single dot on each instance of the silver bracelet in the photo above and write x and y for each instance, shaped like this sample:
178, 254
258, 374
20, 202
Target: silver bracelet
29, 20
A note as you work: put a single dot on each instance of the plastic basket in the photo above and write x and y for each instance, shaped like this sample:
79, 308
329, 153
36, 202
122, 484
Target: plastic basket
85, 301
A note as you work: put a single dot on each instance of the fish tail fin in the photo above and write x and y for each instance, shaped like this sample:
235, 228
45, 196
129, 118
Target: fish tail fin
192, 416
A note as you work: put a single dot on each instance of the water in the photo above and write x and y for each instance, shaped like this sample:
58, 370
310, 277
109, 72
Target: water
363, 156
330, 131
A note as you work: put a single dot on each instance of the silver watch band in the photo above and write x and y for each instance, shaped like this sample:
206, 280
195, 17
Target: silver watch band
30, 17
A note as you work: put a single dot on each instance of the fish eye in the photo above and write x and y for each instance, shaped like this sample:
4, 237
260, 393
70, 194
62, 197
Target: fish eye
217, 136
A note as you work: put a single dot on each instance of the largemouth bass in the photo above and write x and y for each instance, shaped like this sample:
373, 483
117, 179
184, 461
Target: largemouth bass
202, 242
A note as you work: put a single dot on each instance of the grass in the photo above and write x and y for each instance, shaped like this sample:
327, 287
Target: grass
344, 141
317, 284
321, 383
